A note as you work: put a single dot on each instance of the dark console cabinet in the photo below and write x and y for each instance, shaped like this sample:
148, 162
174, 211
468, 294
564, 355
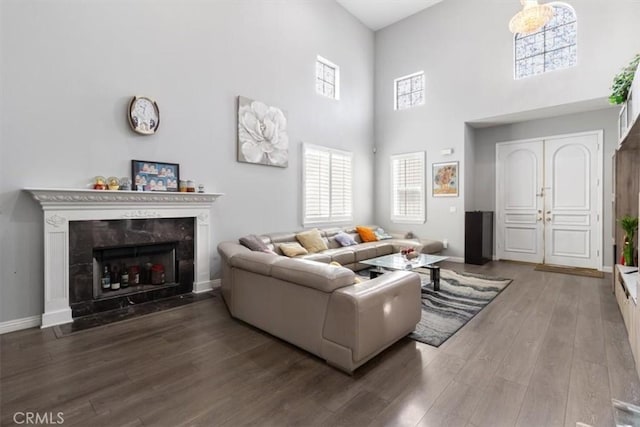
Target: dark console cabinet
478, 237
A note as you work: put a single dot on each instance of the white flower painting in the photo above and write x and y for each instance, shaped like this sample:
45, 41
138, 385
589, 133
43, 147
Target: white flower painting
262, 134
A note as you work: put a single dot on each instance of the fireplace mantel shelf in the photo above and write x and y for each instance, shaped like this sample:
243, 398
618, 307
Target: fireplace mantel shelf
69, 198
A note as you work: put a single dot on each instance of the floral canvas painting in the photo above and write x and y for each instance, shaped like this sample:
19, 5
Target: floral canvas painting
262, 134
445, 179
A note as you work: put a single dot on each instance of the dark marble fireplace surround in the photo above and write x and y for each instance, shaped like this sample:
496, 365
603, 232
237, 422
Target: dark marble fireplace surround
85, 236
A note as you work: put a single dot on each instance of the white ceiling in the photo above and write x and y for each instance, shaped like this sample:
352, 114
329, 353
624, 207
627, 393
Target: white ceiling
377, 14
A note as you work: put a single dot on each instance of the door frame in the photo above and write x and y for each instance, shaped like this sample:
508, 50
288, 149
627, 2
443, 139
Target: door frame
600, 179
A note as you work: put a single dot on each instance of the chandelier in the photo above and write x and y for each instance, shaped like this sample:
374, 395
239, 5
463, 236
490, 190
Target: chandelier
531, 18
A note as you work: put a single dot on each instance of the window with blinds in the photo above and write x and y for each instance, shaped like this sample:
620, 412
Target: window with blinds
408, 188
328, 183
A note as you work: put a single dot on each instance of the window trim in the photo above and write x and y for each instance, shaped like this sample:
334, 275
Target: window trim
330, 219
404, 219
545, 51
395, 90
336, 69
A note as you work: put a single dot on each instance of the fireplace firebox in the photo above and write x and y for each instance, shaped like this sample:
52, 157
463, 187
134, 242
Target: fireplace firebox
118, 263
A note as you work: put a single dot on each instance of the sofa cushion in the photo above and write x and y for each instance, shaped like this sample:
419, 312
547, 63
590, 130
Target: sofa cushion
431, 246
344, 239
344, 256
324, 277
365, 251
292, 249
318, 257
312, 241
253, 242
282, 237
366, 234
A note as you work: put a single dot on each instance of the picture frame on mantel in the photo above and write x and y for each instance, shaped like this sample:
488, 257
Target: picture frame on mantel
445, 179
155, 176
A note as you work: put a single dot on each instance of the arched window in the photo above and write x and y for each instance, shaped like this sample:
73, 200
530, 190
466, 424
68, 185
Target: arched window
551, 48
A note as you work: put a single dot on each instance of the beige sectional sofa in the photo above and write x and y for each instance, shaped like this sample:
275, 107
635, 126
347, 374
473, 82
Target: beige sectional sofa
320, 307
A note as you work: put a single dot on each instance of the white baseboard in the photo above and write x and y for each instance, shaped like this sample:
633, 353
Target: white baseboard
606, 269
19, 324
457, 259
207, 286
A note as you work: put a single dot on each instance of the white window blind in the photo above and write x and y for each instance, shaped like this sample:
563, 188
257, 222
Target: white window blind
408, 188
328, 182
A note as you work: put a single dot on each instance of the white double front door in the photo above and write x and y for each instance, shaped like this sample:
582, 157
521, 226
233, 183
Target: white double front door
549, 200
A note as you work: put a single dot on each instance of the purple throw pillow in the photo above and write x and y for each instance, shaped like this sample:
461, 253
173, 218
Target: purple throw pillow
253, 242
344, 239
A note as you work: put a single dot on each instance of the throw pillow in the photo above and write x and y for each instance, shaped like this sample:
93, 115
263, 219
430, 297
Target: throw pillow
382, 235
344, 239
253, 242
312, 241
292, 249
366, 234
356, 279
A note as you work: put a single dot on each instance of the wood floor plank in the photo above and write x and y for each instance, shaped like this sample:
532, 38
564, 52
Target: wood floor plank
359, 411
620, 361
520, 361
500, 404
197, 366
589, 399
408, 408
546, 398
589, 341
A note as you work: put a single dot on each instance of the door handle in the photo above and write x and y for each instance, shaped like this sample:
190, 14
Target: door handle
539, 218
548, 219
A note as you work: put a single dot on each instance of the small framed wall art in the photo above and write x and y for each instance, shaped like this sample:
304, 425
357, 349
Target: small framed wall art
154, 176
445, 179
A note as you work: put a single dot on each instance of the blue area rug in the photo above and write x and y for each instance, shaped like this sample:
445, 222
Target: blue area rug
461, 296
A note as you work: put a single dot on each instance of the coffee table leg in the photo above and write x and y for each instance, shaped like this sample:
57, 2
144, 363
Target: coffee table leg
375, 272
435, 276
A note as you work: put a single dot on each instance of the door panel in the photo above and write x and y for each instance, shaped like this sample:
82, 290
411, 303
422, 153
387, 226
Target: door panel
519, 211
571, 211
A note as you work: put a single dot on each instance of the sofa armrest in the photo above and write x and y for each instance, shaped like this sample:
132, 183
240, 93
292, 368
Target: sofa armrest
369, 316
256, 262
228, 249
312, 274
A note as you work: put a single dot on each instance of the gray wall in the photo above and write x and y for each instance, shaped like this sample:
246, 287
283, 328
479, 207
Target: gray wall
69, 68
485, 140
468, 64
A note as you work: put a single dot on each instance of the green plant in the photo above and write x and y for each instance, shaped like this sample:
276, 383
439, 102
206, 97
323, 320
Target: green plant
622, 82
629, 224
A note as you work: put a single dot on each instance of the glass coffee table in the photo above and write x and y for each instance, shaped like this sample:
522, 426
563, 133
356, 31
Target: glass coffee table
398, 262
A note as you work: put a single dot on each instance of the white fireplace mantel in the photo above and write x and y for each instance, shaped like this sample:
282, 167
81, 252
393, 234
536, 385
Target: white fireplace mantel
61, 206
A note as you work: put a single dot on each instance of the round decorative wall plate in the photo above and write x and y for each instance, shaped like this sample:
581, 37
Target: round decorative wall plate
144, 115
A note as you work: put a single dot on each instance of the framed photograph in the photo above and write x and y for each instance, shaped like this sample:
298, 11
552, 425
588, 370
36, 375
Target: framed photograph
445, 179
154, 176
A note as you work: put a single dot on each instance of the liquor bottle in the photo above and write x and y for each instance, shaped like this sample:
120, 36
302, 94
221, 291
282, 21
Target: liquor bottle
115, 278
124, 277
106, 278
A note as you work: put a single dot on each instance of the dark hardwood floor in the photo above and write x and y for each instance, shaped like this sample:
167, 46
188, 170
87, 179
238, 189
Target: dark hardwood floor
550, 350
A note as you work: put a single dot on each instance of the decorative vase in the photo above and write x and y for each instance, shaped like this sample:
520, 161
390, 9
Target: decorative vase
628, 251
